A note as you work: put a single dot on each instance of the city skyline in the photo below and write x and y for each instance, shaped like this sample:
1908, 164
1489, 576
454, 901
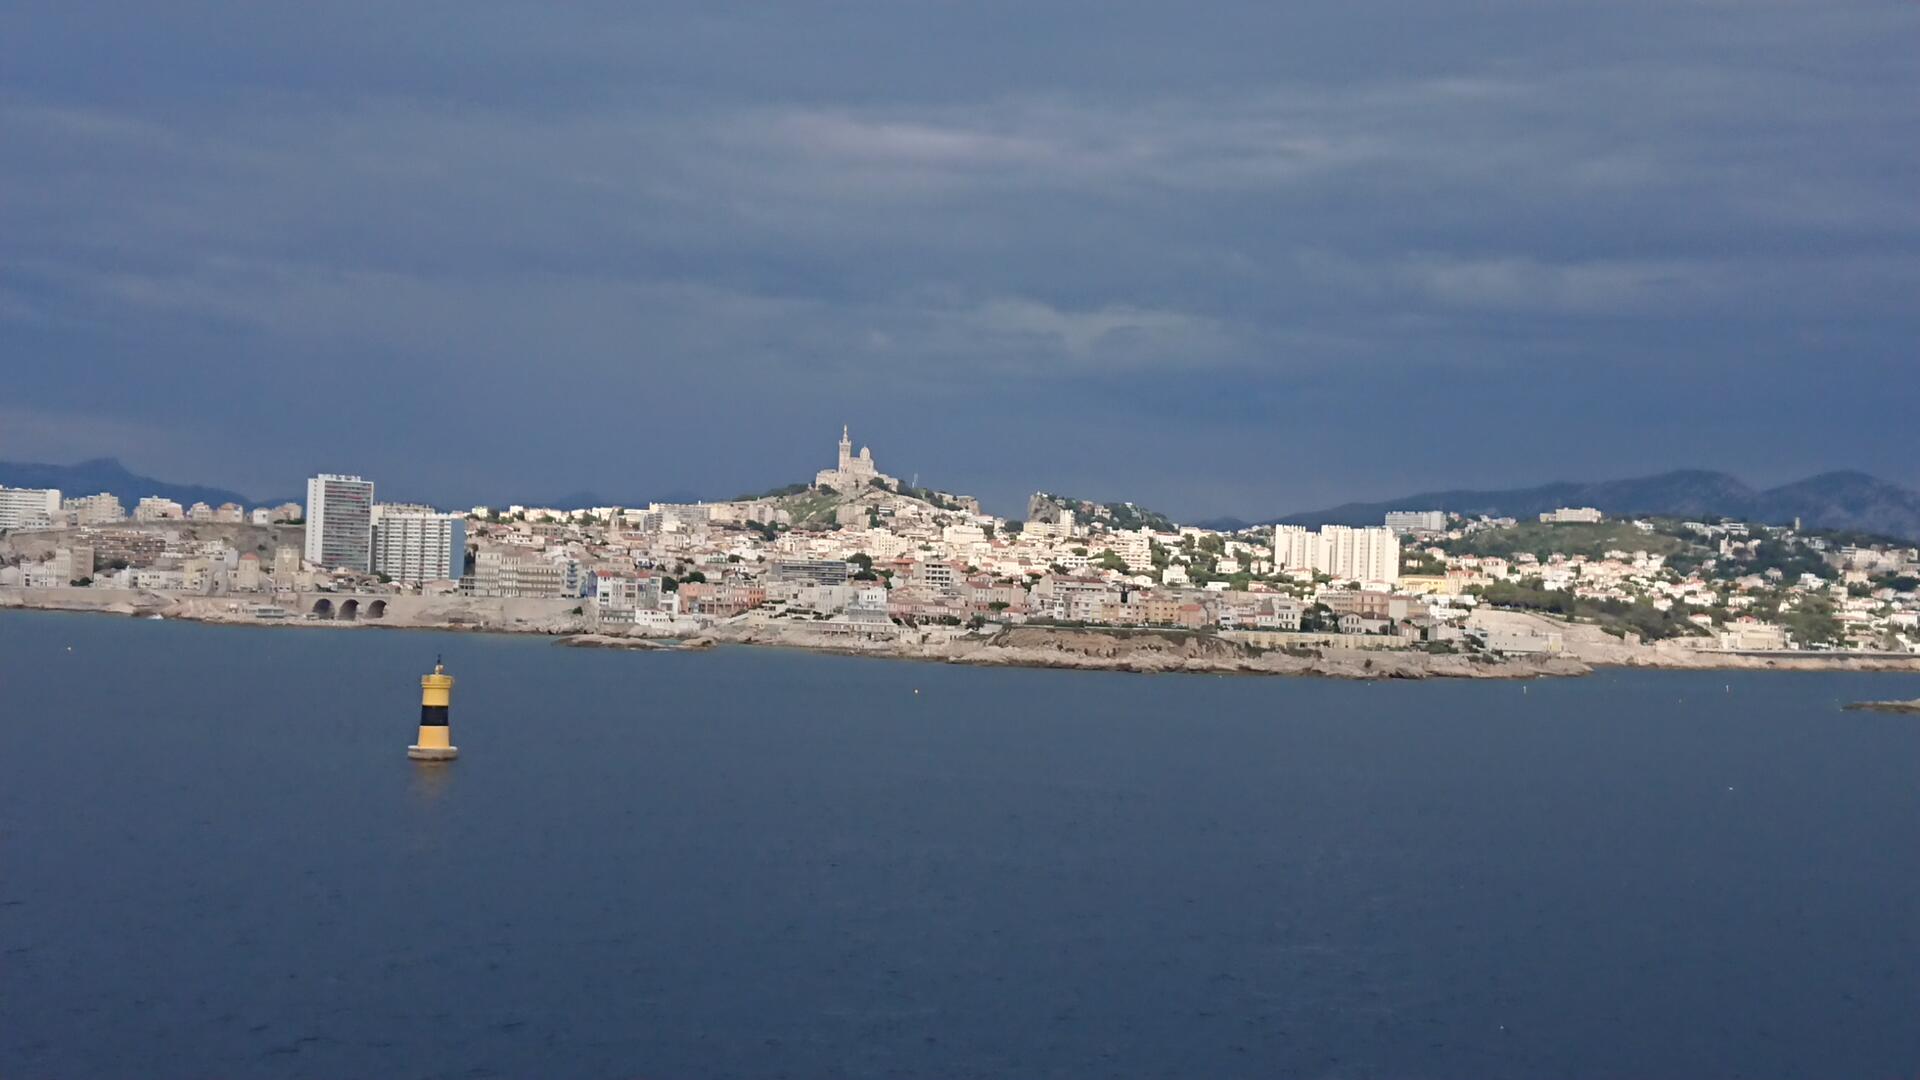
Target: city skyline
1152, 255
1845, 499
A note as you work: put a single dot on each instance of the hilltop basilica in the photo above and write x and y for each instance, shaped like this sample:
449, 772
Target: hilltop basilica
852, 474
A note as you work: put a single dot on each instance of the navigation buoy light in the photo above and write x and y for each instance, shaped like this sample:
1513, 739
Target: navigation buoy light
436, 693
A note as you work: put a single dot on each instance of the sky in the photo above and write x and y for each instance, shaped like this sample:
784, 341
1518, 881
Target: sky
1237, 259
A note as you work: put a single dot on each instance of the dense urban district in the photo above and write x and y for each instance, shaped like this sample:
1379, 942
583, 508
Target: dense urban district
859, 561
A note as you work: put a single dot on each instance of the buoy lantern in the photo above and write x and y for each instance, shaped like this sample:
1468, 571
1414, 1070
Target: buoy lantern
436, 693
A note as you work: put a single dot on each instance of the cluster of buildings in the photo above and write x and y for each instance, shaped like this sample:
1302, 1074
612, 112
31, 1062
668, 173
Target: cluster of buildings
878, 559
408, 543
349, 541
857, 553
46, 508
1737, 587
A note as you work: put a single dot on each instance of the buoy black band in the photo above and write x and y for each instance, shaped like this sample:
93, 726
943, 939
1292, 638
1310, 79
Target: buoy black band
433, 716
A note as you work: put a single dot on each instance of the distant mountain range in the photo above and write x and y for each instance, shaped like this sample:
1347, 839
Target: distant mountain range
1835, 500
107, 474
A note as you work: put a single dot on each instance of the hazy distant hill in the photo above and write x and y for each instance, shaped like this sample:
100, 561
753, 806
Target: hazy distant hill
1836, 500
107, 474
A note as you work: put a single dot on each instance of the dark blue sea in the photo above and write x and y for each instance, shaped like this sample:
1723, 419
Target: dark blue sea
217, 861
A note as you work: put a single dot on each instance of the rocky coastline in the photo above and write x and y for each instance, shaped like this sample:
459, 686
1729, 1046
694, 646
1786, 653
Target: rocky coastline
1078, 649
1885, 706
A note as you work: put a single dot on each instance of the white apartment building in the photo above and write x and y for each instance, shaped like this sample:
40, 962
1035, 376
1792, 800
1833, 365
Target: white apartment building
1417, 521
1568, 515
416, 545
1367, 555
340, 522
1135, 548
1345, 553
28, 508
1294, 548
613, 591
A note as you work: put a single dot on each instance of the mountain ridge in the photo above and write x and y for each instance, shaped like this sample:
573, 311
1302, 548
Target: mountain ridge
107, 474
1841, 499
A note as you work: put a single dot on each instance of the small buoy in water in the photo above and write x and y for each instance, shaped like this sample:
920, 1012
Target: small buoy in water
436, 694
916, 690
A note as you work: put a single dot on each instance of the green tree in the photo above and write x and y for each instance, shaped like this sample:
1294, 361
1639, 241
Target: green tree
1319, 619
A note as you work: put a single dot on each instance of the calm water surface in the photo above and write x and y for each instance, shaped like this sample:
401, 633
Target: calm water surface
216, 860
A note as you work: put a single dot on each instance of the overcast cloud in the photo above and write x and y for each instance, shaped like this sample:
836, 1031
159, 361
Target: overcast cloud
1216, 258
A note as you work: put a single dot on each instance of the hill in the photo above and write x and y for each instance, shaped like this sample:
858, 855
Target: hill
1046, 506
107, 474
1838, 500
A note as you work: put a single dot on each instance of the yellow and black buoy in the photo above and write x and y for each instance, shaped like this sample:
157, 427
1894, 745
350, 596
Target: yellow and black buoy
436, 693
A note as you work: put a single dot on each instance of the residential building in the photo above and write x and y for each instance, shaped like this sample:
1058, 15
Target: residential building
246, 574
936, 576
415, 546
1566, 515
1134, 547
155, 508
869, 605
719, 599
101, 509
1417, 521
616, 591
1345, 553
1366, 555
1294, 548
288, 567
501, 572
811, 572
28, 508
340, 522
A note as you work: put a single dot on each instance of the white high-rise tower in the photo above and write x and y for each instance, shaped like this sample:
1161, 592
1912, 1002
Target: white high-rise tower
340, 522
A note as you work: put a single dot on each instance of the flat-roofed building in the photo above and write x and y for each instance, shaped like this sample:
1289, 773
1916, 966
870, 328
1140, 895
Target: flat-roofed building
28, 508
417, 546
340, 522
811, 571
101, 509
1417, 521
